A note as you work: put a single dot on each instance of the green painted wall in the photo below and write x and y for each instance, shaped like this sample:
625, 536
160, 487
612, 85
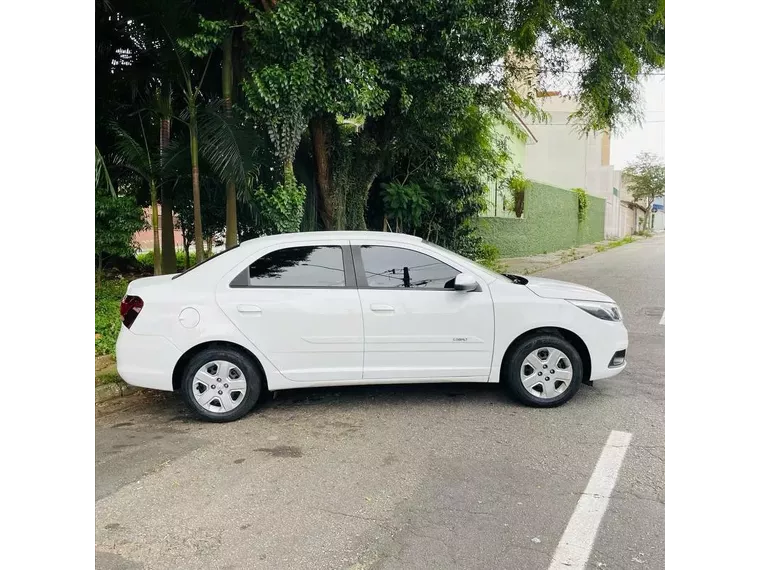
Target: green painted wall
515, 145
516, 148
549, 223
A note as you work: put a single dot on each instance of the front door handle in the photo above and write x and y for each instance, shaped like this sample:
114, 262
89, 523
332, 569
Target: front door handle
382, 308
249, 309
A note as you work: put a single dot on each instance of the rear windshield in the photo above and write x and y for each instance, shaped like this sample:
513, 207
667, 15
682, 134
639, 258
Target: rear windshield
215, 256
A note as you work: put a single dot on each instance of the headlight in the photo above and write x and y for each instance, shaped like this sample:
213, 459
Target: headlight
604, 311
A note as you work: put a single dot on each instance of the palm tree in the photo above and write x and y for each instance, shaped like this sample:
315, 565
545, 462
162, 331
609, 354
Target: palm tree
143, 161
227, 84
161, 106
191, 91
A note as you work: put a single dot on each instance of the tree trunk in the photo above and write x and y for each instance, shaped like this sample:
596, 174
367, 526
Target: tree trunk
196, 181
329, 202
168, 247
227, 82
356, 198
210, 245
154, 223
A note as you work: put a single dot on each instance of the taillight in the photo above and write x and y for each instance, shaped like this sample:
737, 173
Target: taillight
131, 305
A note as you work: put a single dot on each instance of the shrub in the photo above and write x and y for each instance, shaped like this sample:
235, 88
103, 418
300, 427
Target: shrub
146, 259
488, 256
108, 295
517, 186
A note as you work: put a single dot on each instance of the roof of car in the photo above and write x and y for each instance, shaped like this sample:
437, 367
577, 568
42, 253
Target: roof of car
356, 235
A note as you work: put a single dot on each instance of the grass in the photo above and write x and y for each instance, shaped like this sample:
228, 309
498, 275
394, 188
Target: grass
617, 243
108, 297
107, 376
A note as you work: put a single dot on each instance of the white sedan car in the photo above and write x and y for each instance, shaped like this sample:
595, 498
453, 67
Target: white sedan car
349, 308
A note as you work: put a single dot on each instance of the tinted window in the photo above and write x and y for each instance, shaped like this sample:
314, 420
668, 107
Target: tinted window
312, 266
214, 256
404, 268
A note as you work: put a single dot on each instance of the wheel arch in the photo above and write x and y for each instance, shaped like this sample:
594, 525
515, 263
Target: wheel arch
566, 334
179, 367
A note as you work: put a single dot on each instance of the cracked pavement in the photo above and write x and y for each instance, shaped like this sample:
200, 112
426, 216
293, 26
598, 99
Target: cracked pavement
394, 477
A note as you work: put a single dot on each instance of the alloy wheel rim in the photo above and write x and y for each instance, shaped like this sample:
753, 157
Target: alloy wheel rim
219, 386
546, 372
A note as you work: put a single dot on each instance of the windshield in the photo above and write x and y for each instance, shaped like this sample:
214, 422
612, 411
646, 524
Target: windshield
189, 269
464, 260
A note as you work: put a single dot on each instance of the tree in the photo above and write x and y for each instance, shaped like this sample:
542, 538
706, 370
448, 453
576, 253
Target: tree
142, 159
645, 180
311, 63
191, 90
117, 218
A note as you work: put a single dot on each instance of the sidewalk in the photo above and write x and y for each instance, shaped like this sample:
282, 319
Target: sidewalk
535, 263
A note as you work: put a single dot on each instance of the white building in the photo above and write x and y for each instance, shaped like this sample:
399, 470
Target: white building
563, 156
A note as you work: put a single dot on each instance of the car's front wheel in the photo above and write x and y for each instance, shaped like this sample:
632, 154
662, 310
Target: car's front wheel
221, 384
543, 371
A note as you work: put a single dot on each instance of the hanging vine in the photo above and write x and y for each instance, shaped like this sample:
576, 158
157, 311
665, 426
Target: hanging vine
582, 204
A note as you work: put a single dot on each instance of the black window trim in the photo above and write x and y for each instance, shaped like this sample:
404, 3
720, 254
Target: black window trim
242, 279
361, 277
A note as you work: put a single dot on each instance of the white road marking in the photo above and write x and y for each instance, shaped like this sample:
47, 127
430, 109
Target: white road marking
662, 320
576, 543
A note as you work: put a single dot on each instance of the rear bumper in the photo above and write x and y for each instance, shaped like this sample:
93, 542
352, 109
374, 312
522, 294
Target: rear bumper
614, 340
146, 361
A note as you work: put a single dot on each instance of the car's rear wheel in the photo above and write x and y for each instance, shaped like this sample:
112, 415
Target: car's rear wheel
221, 384
543, 371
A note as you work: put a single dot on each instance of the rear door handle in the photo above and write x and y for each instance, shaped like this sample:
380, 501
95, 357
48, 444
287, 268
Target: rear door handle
382, 308
252, 309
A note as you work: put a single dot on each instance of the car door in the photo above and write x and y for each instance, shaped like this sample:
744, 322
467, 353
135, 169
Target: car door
298, 304
416, 325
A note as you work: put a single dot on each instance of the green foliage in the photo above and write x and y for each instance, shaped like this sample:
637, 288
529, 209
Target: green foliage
488, 256
619, 242
517, 185
405, 204
108, 295
616, 41
209, 36
117, 219
441, 209
645, 178
582, 204
102, 178
422, 81
282, 209
228, 144
146, 259
550, 223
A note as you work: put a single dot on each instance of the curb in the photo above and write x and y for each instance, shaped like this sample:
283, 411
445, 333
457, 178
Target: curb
563, 260
113, 390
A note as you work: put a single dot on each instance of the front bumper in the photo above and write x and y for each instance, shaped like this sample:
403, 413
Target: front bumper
604, 350
146, 361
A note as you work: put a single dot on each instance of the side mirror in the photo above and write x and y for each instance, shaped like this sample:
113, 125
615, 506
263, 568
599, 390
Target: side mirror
465, 282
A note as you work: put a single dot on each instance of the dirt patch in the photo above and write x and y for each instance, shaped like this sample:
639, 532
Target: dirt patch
103, 362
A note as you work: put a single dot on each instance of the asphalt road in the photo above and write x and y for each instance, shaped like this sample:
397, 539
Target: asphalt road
395, 477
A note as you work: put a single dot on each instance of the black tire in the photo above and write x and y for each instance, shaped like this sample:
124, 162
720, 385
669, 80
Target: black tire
511, 370
240, 360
